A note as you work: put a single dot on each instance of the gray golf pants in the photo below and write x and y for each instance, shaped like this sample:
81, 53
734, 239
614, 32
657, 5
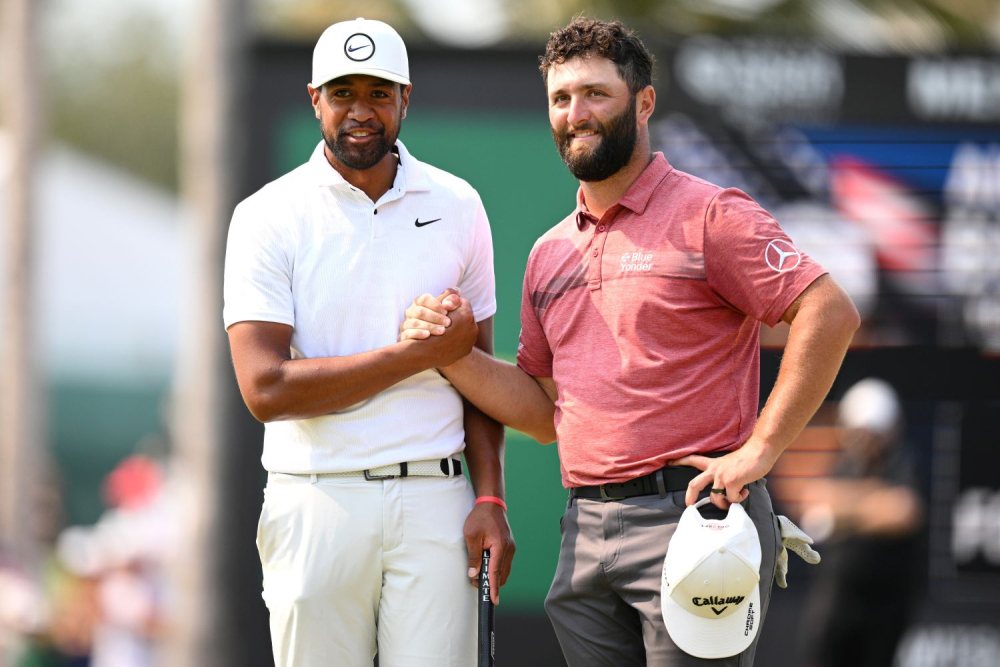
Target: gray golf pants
604, 602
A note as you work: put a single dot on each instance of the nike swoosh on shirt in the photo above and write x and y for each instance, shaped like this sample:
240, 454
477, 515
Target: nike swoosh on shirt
421, 224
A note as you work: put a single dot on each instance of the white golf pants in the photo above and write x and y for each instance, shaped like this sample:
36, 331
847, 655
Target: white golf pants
352, 565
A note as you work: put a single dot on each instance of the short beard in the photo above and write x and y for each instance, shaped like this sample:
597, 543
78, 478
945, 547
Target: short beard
359, 158
618, 138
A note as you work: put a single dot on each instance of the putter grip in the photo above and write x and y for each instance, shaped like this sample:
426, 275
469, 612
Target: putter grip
486, 629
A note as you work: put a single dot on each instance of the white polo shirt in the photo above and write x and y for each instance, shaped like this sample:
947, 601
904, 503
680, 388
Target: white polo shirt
312, 251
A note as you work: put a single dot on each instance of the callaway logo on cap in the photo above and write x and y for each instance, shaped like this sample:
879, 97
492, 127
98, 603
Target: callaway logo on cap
360, 47
709, 593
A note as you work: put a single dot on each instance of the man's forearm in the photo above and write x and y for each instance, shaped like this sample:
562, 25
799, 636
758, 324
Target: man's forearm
304, 388
484, 452
817, 342
275, 386
484, 437
504, 392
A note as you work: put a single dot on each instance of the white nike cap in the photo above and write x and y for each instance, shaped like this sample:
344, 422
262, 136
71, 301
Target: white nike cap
709, 593
360, 47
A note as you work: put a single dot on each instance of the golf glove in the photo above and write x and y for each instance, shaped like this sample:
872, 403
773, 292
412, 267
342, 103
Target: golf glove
792, 538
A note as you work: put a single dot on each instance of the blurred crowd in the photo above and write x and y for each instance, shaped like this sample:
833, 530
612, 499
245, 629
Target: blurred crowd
98, 596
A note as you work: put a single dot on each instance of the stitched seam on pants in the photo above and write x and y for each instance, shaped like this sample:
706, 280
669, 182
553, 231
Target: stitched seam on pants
616, 553
765, 590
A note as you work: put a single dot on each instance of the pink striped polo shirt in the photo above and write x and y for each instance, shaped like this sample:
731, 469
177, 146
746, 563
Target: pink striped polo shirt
648, 321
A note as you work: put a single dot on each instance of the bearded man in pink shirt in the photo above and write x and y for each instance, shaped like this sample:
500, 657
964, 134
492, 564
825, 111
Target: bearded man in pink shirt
639, 353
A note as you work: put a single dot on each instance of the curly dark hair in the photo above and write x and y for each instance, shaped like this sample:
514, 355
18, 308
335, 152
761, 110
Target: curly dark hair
592, 37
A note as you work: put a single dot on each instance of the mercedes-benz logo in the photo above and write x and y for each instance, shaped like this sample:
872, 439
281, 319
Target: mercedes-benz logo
781, 255
359, 46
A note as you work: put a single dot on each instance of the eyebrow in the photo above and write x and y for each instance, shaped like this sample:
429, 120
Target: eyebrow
585, 86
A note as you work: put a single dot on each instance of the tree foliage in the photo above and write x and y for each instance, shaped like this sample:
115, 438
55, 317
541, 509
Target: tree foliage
119, 102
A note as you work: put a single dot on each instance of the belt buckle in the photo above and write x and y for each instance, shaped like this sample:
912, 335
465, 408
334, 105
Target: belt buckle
372, 478
605, 496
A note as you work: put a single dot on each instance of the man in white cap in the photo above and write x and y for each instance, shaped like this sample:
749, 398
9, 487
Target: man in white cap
369, 531
869, 514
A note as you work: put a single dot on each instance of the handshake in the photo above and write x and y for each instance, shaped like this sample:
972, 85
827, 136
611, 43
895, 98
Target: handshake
444, 326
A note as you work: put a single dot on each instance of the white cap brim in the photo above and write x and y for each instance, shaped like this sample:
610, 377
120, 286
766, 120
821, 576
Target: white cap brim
712, 638
369, 71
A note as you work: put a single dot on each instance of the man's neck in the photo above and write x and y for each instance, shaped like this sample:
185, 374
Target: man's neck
374, 181
599, 196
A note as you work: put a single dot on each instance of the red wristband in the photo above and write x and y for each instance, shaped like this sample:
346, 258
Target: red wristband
492, 499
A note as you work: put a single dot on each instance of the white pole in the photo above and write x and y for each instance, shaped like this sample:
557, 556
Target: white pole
20, 432
196, 634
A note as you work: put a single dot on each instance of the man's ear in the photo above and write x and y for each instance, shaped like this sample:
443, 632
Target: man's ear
405, 93
314, 97
645, 104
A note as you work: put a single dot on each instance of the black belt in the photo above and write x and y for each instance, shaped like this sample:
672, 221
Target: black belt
664, 480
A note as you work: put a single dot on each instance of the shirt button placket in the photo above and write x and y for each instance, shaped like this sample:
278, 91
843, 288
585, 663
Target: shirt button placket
373, 217
595, 273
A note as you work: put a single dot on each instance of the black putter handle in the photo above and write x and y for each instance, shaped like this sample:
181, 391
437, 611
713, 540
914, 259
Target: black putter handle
486, 618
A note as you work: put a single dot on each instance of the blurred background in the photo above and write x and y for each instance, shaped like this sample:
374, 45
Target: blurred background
130, 481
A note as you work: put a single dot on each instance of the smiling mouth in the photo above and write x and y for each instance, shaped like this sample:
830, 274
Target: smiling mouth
583, 136
359, 135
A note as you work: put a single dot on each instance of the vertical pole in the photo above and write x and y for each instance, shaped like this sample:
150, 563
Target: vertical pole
20, 432
199, 629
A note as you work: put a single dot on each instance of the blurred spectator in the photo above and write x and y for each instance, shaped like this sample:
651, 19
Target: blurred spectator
869, 515
47, 617
98, 599
125, 554
74, 616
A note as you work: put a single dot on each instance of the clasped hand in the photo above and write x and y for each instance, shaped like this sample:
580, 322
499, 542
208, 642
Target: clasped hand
445, 324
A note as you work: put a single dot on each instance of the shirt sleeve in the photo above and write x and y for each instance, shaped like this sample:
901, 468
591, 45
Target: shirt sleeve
478, 283
750, 262
534, 355
257, 282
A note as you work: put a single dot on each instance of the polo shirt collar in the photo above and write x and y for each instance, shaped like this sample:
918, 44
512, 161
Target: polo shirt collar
410, 176
414, 175
638, 194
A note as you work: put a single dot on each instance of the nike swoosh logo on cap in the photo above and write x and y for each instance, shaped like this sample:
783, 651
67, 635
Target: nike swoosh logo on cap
352, 49
421, 224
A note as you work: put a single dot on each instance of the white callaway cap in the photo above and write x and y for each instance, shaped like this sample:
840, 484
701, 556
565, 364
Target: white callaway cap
360, 47
709, 593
